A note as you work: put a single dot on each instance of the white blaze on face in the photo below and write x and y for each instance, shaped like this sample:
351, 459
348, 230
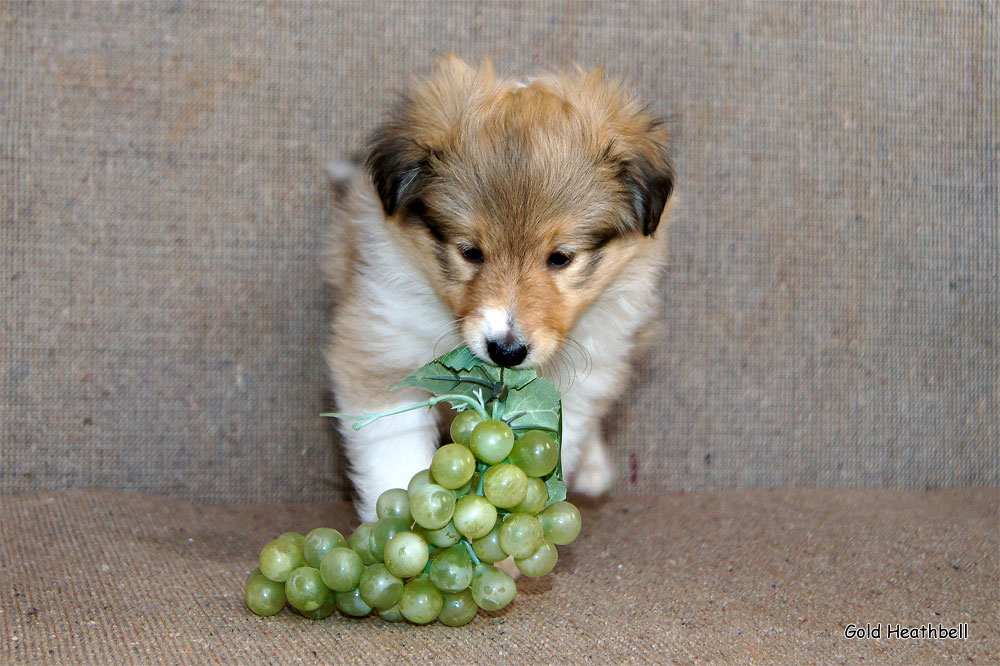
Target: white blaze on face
496, 324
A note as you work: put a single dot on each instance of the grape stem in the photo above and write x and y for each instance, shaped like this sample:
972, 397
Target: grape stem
534, 427
513, 418
498, 409
430, 560
472, 553
361, 420
458, 380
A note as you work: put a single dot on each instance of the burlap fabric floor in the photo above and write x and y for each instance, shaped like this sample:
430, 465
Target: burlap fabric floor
741, 577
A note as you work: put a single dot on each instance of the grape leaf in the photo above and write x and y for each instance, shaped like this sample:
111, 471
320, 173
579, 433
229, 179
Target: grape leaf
534, 406
459, 359
514, 378
438, 379
555, 487
554, 482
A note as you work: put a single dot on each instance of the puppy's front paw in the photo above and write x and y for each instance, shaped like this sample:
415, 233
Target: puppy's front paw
594, 473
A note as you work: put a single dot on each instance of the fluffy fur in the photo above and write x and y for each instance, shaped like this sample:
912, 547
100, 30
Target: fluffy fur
522, 213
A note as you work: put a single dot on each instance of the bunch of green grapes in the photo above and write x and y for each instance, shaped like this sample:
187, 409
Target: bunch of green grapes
432, 552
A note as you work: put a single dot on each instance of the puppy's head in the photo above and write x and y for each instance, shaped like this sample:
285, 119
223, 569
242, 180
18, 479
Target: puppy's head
521, 201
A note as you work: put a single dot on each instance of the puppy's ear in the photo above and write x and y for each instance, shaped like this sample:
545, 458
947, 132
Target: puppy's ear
636, 143
396, 163
422, 126
650, 182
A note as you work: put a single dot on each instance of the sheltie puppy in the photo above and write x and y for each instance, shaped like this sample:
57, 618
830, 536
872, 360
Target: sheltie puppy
521, 218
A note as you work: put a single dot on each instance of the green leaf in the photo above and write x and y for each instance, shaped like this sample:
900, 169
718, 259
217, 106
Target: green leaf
538, 404
439, 379
556, 488
459, 359
515, 378
554, 482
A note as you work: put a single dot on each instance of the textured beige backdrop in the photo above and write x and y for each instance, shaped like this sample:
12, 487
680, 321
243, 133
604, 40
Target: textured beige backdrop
832, 302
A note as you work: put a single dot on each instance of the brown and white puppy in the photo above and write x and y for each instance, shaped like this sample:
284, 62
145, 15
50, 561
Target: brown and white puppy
520, 218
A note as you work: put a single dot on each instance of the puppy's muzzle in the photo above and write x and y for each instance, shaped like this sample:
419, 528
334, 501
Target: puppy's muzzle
507, 354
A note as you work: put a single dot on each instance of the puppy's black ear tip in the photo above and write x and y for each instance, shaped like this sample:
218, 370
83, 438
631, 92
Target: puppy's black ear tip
395, 161
391, 169
658, 192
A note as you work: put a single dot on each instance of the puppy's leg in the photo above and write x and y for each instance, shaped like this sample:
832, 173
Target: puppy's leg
387, 453
594, 474
586, 465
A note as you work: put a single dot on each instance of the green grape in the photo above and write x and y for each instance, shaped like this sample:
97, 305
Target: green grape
323, 611
420, 602
432, 506
360, 541
351, 603
393, 502
505, 485
488, 548
521, 535
541, 562
457, 609
295, 537
262, 595
442, 538
320, 541
474, 516
463, 425
491, 588
536, 453
452, 466
451, 570
492, 441
391, 614
379, 588
341, 569
305, 590
280, 558
419, 480
561, 523
385, 529
406, 555
534, 499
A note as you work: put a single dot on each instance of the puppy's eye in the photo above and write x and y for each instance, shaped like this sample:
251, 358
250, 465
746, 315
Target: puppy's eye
472, 254
560, 259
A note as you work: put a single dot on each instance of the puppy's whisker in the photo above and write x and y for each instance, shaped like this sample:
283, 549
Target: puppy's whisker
450, 328
585, 357
564, 370
588, 358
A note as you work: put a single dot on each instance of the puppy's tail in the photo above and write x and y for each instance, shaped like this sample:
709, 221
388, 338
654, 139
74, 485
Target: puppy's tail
343, 171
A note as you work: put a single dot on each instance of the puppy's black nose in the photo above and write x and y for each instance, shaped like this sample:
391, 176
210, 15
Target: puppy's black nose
506, 355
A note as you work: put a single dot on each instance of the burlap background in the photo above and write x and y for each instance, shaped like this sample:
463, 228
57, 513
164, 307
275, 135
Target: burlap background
832, 303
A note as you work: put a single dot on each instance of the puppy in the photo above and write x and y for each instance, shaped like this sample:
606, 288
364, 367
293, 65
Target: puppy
519, 218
